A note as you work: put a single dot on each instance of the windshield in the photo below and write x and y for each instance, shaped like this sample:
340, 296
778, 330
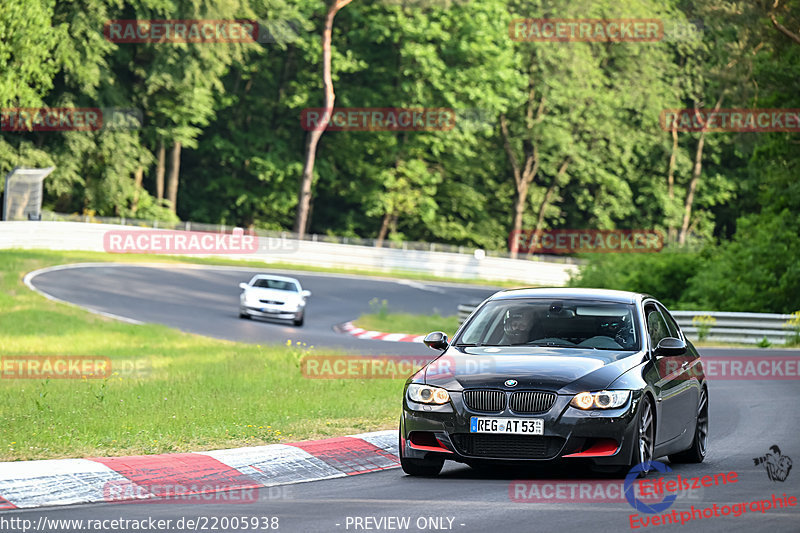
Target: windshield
555, 323
276, 284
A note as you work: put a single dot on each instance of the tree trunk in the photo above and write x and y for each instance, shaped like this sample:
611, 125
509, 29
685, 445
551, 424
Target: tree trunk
519, 210
687, 208
698, 167
137, 184
549, 194
523, 176
671, 177
174, 173
383, 230
304, 194
162, 156
546, 200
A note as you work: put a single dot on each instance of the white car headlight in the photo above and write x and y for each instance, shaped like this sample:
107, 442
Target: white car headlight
605, 399
427, 394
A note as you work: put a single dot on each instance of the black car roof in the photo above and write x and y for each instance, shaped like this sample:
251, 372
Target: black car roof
602, 295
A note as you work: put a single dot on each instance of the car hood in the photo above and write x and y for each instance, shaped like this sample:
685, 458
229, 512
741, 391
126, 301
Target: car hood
272, 294
564, 370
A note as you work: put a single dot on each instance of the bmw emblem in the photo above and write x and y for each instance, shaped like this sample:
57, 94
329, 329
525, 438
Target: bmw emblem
511, 383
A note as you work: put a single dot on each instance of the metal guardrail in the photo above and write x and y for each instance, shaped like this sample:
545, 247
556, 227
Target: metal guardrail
464, 310
310, 237
275, 248
745, 328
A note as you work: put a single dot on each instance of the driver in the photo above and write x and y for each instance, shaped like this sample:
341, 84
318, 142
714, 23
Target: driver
517, 324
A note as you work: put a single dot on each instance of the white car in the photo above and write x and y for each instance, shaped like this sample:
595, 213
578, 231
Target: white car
273, 297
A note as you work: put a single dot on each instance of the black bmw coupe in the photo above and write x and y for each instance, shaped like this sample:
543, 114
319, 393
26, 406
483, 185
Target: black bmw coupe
558, 374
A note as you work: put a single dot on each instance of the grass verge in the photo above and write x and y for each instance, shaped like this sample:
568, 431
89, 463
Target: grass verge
408, 323
187, 392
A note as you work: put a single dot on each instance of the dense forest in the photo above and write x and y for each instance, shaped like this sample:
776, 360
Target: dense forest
546, 134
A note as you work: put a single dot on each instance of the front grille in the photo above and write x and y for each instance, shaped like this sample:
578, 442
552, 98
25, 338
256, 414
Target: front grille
507, 446
489, 401
271, 302
532, 401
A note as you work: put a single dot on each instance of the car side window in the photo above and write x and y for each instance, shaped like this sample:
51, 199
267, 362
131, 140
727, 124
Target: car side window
672, 327
656, 327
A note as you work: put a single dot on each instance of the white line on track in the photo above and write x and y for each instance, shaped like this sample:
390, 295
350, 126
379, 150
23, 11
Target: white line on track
29, 278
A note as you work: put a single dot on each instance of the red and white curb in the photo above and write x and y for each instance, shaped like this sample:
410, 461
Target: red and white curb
26, 484
362, 333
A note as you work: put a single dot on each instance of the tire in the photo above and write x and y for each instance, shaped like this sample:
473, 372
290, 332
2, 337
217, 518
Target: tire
644, 445
244, 315
299, 321
697, 451
419, 467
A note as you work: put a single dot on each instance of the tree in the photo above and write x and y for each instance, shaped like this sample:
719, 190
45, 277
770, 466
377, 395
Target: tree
585, 120
304, 195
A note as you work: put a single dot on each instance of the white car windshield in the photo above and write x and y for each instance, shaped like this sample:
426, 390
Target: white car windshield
277, 284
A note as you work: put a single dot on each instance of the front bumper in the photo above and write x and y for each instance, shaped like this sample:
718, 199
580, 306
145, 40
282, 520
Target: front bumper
271, 312
606, 437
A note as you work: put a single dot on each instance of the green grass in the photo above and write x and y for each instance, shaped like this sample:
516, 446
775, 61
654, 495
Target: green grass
408, 323
193, 393
382, 320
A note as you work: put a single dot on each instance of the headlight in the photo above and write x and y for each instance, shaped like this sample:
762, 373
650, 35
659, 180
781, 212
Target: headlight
427, 394
605, 399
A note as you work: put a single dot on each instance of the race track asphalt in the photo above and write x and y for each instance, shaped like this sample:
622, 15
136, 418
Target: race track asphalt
205, 301
747, 417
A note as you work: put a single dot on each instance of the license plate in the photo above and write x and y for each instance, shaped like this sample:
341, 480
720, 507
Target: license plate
511, 426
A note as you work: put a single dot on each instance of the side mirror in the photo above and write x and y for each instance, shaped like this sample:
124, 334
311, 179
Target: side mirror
436, 340
670, 346
243, 286
306, 294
